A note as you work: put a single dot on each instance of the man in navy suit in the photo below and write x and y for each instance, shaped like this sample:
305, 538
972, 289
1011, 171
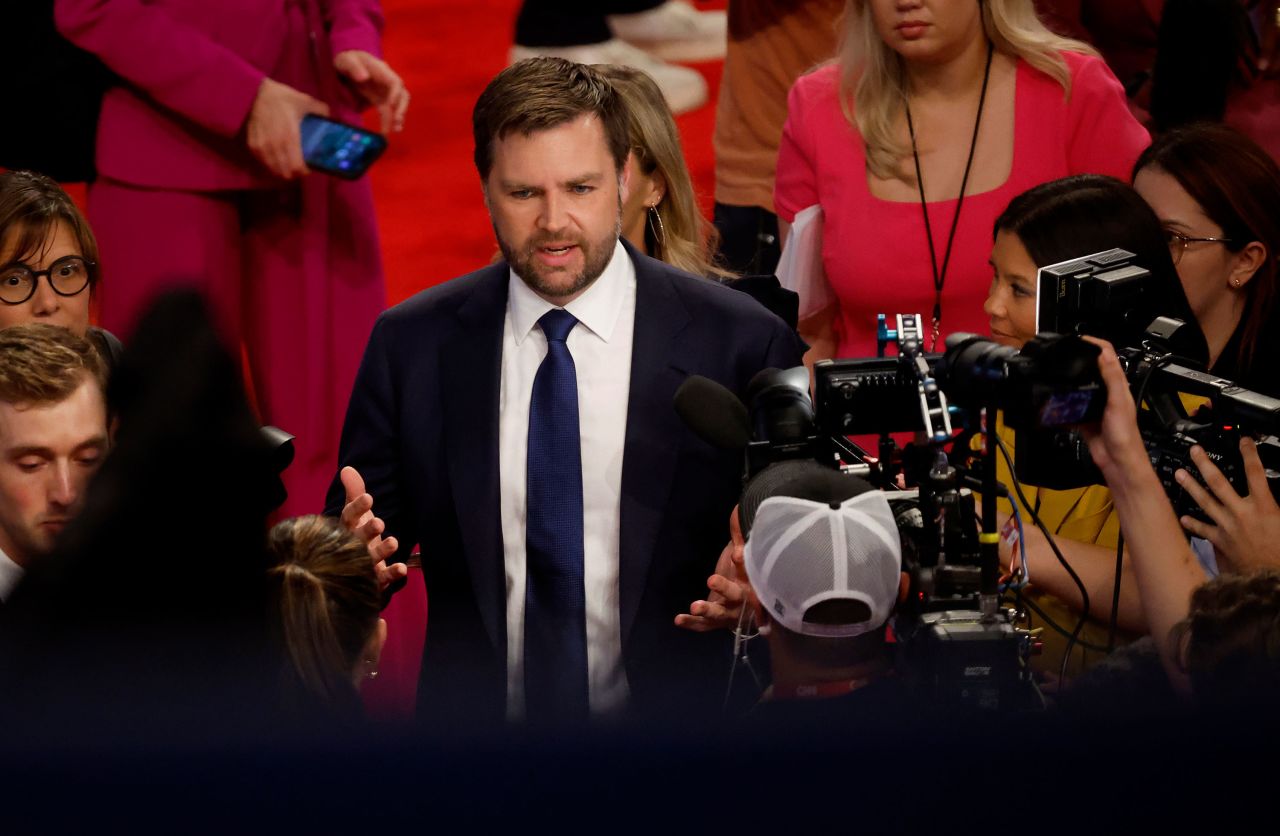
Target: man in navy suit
518, 424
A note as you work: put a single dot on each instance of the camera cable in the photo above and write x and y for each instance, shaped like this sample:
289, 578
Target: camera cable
742, 635
1074, 637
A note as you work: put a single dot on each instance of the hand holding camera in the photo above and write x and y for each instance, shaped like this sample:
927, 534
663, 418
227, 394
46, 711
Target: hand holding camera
1115, 443
1246, 529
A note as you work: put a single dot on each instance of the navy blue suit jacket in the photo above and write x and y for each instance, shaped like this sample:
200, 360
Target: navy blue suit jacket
422, 429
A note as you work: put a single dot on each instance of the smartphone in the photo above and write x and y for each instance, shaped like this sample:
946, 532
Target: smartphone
339, 149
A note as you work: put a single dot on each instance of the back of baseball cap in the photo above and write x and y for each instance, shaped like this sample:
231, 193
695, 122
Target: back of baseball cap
816, 535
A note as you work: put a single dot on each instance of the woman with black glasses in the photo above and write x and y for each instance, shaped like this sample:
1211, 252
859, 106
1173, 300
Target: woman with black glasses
48, 259
1216, 193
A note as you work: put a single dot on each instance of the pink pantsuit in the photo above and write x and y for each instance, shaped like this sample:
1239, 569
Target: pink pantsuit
293, 270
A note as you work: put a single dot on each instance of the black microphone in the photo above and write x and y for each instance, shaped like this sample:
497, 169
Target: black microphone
714, 413
781, 409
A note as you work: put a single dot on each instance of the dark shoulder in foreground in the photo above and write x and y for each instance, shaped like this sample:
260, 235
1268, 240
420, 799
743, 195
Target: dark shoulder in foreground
709, 301
108, 346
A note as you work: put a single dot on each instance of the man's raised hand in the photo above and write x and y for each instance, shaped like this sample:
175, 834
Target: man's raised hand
358, 517
728, 587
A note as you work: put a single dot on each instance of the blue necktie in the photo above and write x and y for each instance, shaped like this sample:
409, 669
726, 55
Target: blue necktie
555, 626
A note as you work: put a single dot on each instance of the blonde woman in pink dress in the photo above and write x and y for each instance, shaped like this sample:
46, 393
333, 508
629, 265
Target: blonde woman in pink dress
936, 114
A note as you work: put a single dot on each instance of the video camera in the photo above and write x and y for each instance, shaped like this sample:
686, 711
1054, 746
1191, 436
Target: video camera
954, 640
1108, 295
953, 634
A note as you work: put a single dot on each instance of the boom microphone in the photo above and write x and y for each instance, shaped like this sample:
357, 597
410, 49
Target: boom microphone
714, 413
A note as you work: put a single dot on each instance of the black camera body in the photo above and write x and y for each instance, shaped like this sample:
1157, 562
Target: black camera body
1221, 444
955, 644
955, 639
1169, 429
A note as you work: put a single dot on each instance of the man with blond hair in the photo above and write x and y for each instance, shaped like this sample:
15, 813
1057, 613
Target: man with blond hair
53, 435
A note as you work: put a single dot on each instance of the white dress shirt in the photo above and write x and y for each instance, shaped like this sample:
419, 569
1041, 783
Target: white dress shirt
10, 574
601, 347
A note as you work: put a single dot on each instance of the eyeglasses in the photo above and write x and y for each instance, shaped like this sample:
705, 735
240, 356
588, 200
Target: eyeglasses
67, 276
1178, 243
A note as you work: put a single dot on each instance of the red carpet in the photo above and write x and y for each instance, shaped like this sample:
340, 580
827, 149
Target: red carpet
432, 217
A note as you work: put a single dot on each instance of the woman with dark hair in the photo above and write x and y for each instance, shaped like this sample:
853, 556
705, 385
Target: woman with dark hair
325, 614
1216, 193
1069, 218
48, 259
1051, 223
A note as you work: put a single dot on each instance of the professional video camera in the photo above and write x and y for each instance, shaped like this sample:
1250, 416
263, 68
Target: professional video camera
954, 639
1108, 295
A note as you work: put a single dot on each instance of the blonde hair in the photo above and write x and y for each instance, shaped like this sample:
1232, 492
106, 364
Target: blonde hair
325, 609
873, 82
686, 240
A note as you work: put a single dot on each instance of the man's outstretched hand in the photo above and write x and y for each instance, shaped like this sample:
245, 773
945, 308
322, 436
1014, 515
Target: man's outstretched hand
729, 590
358, 517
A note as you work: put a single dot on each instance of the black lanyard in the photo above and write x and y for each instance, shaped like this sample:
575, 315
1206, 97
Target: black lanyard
940, 277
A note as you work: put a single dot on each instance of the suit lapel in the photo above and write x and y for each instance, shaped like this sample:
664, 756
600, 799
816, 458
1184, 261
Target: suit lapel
650, 451
471, 371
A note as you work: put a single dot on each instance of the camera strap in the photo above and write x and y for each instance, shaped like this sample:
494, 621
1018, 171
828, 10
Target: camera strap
940, 276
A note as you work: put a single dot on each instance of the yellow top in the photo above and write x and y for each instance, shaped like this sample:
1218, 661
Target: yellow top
1085, 515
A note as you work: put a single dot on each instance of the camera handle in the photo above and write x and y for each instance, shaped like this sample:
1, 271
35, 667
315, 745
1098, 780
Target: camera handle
934, 411
989, 536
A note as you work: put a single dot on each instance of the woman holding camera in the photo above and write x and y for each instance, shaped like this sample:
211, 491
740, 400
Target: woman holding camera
1051, 223
936, 114
1216, 192
1222, 240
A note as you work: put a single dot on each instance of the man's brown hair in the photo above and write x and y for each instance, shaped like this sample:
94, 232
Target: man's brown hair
543, 93
43, 364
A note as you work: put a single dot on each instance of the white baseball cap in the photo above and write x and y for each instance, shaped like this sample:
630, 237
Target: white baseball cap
817, 535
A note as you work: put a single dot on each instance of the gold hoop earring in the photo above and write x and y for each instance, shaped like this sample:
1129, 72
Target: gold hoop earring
659, 232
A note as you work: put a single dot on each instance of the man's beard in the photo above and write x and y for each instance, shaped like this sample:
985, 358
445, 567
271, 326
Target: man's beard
595, 257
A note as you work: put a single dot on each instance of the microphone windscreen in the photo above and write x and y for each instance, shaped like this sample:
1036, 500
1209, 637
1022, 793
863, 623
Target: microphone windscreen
714, 413
795, 378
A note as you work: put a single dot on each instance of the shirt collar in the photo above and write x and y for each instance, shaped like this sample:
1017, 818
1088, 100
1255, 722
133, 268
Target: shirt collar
10, 574
597, 308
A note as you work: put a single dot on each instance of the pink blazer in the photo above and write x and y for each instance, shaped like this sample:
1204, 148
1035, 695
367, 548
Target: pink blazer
190, 70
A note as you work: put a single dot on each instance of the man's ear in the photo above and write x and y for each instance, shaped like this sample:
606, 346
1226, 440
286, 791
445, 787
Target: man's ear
904, 587
625, 180
761, 614
1245, 263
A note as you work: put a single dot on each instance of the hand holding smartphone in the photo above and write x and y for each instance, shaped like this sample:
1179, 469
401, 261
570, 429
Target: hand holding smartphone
339, 149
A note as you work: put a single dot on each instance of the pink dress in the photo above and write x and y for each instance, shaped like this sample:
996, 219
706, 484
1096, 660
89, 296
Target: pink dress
875, 251
293, 271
